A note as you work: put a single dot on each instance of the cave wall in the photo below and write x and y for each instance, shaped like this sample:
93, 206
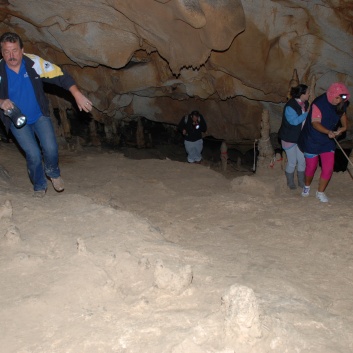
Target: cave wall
160, 59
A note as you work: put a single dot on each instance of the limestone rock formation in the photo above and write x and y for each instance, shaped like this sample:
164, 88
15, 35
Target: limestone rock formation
242, 319
266, 156
160, 59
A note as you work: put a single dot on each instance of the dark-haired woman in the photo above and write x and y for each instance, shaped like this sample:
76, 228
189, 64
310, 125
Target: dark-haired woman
293, 118
317, 137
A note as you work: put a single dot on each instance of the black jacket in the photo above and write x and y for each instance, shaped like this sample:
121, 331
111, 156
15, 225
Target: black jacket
53, 75
311, 140
193, 132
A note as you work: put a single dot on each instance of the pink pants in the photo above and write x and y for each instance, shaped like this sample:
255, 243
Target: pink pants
327, 164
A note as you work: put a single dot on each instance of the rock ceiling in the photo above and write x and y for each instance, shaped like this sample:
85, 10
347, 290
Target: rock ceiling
160, 59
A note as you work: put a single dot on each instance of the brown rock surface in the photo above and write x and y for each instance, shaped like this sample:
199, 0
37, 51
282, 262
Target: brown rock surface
161, 59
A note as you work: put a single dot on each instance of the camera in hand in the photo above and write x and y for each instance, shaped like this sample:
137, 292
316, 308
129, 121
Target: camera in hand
16, 117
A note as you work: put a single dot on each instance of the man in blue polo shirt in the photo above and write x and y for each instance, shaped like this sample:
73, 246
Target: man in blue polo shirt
21, 85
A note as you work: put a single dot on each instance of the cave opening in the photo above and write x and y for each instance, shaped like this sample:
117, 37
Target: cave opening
141, 138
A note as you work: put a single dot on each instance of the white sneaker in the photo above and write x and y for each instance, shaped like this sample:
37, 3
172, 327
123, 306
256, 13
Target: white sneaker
321, 196
306, 191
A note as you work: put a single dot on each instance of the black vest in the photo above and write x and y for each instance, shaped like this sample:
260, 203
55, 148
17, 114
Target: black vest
313, 141
288, 132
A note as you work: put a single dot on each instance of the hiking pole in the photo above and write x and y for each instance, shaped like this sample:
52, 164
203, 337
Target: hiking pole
343, 152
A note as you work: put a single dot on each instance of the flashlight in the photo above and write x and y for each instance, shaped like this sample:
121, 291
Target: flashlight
16, 116
343, 96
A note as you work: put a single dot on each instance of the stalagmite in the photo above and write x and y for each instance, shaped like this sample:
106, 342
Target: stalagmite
312, 89
93, 133
140, 139
224, 155
62, 127
266, 151
242, 318
293, 83
265, 147
238, 163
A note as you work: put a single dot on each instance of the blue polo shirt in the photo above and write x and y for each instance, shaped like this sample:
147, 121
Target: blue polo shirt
21, 92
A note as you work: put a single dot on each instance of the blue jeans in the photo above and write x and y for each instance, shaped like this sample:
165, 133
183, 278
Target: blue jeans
27, 137
194, 149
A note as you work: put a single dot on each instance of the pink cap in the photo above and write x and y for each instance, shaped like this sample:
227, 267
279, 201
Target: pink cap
335, 90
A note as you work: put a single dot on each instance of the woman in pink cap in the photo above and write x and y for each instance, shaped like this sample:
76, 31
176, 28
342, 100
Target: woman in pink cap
317, 136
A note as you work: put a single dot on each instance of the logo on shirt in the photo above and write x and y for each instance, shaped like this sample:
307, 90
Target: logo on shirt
25, 75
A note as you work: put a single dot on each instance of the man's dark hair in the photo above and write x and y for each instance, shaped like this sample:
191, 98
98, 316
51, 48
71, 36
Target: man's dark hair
12, 38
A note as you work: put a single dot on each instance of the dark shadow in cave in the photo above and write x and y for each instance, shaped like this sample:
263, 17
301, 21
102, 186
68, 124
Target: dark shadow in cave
139, 138
163, 141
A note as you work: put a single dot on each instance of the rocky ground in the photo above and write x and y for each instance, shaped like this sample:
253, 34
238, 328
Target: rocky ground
157, 255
